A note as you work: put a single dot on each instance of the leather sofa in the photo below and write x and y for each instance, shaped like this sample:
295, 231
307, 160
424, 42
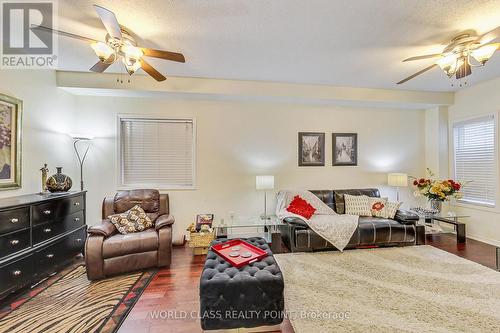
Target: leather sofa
372, 231
107, 252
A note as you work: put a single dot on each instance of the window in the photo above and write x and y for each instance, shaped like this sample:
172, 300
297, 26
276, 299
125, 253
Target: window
474, 150
158, 153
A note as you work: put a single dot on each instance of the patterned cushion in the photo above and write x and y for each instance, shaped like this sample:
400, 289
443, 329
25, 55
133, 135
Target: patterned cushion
378, 207
392, 208
133, 220
357, 205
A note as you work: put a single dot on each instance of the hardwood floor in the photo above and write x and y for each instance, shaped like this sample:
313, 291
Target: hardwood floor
176, 289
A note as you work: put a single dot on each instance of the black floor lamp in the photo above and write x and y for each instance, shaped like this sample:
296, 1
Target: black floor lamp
81, 158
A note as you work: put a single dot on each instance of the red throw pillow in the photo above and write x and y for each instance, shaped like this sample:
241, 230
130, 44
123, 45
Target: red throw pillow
301, 207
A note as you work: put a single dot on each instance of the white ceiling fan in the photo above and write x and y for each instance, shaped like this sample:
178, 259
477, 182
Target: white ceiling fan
465, 51
119, 45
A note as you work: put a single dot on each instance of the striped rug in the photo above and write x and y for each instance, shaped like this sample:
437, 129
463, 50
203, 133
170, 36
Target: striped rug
75, 304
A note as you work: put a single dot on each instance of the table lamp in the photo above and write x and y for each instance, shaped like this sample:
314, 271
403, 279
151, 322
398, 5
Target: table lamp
397, 180
264, 183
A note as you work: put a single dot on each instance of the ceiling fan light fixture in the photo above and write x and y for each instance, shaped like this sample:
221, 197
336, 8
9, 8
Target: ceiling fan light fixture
102, 50
131, 53
484, 53
132, 68
450, 63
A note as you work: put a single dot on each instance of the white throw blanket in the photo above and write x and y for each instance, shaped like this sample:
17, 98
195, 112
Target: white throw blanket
334, 228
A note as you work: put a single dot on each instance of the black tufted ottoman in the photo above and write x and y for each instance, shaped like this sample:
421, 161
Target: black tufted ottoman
250, 296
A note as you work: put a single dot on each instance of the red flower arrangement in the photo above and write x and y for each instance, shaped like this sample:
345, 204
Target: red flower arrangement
435, 189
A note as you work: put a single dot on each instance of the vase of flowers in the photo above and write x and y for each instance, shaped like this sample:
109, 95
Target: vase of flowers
437, 190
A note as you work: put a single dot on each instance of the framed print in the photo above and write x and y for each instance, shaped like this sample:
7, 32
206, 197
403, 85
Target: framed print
345, 149
204, 219
10, 142
311, 149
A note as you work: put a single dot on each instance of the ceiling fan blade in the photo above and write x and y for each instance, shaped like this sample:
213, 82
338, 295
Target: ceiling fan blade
62, 33
100, 67
427, 56
163, 54
417, 73
110, 22
151, 71
490, 35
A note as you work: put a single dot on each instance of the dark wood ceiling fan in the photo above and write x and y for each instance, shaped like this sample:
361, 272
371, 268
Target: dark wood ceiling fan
465, 51
119, 45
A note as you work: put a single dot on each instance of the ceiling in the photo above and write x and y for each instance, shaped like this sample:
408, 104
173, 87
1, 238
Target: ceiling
345, 43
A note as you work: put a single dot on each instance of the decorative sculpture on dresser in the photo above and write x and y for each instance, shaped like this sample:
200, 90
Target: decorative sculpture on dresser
45, 172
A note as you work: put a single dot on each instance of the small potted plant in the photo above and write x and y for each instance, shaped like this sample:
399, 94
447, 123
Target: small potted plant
436, 190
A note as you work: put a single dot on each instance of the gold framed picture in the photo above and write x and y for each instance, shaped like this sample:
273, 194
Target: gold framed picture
10, 142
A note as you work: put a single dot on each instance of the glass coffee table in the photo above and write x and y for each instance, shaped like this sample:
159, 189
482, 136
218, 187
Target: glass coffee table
251, 226
449, 218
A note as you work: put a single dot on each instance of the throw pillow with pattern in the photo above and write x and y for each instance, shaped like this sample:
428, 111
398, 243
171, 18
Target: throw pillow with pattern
392, 208
378, 207
133, 220
357, 205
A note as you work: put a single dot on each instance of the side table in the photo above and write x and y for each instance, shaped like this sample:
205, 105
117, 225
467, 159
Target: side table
453, 219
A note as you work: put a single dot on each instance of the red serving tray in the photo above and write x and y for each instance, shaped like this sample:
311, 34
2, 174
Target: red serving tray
223, 250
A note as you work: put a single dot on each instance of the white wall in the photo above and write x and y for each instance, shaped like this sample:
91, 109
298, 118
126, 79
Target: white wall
238, 140
481, 99
48, 115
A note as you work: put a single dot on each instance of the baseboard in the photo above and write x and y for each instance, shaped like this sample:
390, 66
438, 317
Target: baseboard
485, 240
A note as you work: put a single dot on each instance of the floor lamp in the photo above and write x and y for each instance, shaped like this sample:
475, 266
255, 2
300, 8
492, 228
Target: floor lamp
397, 180
81, 157
264, 183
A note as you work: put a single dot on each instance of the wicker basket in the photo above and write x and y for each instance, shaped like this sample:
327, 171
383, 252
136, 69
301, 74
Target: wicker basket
200, 241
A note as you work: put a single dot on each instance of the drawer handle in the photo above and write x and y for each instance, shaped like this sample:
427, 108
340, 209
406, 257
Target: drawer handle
14, 242
17, 273
47, 212
76, 219
47, 230
76, 204
50, 256
14, 220
78, 240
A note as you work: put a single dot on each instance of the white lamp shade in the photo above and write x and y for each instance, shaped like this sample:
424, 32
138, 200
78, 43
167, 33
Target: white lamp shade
397, 179
264, 182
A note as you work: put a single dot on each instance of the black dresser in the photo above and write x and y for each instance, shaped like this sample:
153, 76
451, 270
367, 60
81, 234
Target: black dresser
38, 235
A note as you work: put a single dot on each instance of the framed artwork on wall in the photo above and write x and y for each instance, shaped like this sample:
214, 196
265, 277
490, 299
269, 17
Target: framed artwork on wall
311, 149
345, 149
10, 142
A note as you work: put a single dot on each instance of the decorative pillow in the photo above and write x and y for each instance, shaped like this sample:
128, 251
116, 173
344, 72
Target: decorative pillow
133, 220
378, 207
392, 208
301, 207
357, 205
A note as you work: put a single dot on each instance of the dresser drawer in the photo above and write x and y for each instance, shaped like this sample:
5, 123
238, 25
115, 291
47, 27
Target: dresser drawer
56, 254
46, 231
14, 275
14, 219
14, 242
57, 209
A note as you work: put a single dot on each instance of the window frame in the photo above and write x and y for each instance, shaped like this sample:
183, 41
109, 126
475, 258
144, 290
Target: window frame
119, 167
468, 203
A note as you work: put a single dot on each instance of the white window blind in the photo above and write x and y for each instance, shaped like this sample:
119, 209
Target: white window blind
157, 152
474, 148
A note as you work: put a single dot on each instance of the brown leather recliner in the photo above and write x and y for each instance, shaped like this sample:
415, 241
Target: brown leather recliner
107, 252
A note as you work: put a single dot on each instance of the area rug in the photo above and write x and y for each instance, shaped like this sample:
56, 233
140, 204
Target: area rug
400, 289
72, 303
